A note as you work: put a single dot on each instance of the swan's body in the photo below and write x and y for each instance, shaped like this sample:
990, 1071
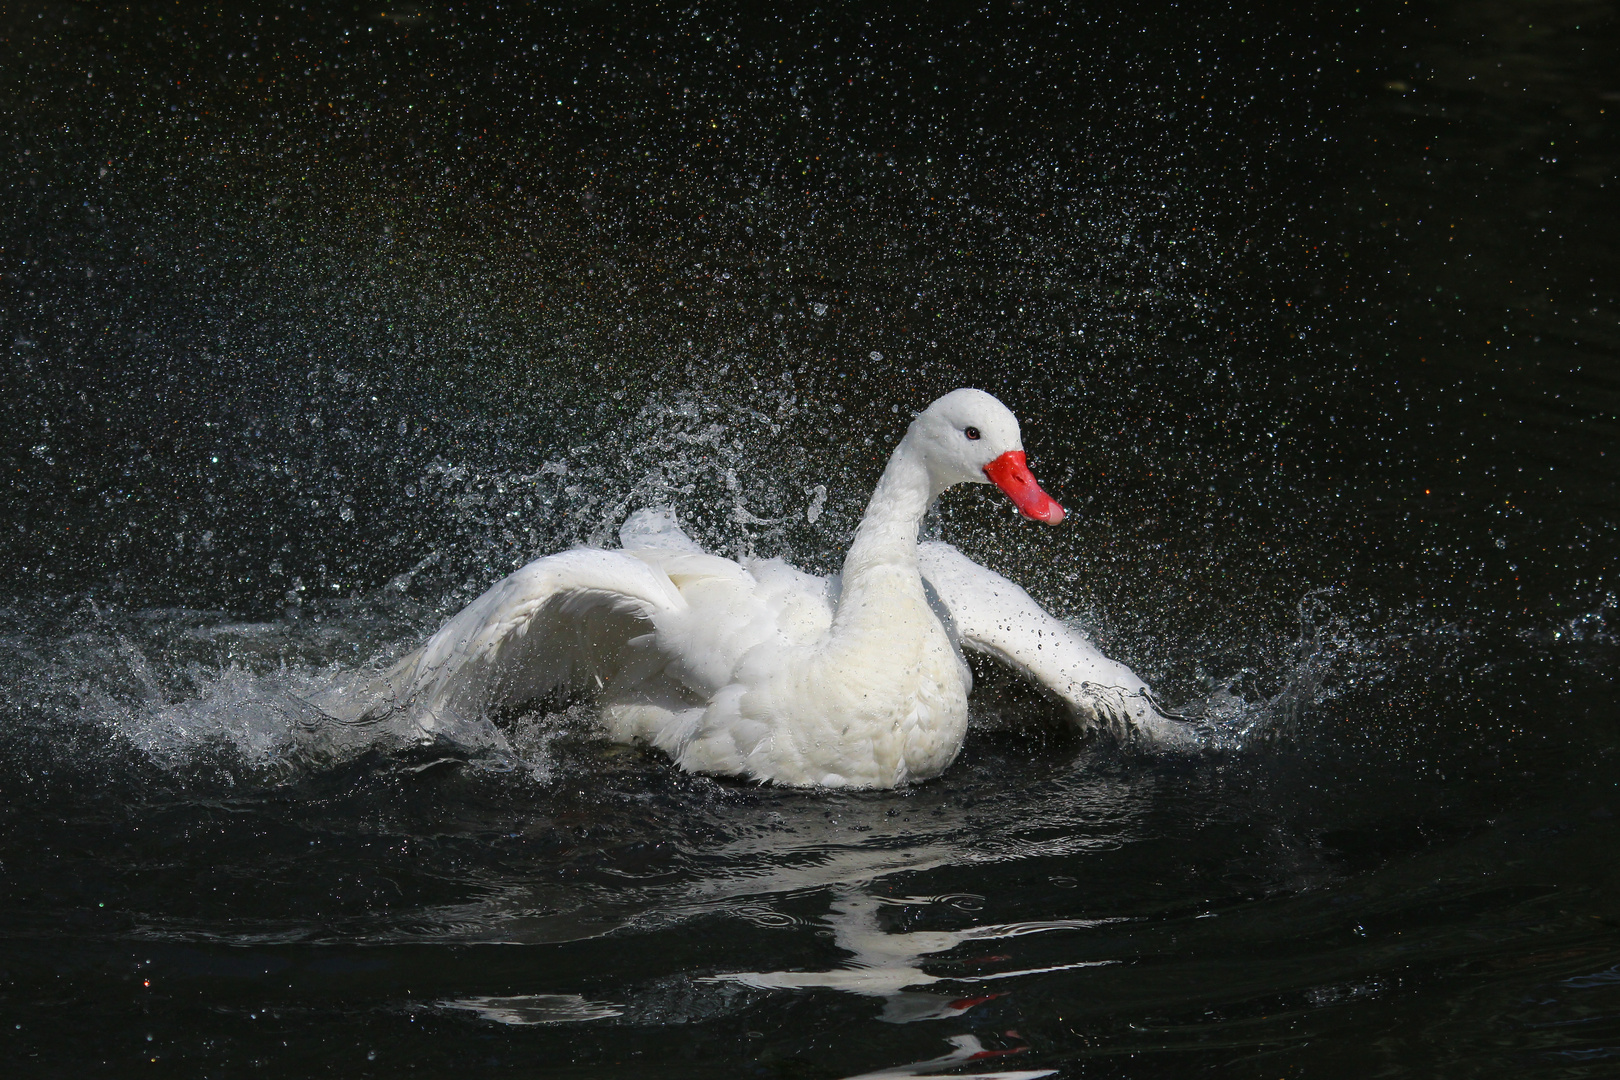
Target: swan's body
762, 671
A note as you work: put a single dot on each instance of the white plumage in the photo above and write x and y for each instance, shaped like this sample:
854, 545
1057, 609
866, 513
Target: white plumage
760, 670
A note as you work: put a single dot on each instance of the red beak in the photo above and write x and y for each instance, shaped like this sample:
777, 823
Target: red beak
1011, 474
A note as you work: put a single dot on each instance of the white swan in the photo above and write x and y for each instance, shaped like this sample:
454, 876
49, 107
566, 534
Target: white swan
762, 671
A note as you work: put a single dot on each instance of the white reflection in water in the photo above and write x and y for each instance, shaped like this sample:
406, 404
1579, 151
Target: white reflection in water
888, 966
968, 1049
526, 1009
799, 854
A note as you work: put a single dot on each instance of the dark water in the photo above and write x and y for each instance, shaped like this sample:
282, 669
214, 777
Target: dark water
322, 318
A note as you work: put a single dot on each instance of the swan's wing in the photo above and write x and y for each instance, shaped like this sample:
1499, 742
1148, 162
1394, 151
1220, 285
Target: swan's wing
566, 619
803, 603
993, 615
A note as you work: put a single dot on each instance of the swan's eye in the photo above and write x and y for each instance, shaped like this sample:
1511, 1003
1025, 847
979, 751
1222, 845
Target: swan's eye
972, 432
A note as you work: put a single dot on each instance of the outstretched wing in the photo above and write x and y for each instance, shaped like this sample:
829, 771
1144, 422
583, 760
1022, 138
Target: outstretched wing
564, 620
993, 615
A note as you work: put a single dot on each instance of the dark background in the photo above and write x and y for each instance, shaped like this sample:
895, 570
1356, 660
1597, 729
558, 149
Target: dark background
322, 317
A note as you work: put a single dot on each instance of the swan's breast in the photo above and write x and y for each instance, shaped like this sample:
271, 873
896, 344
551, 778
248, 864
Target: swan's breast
881, 701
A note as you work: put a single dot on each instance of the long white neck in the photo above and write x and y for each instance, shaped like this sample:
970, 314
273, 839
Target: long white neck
886, 541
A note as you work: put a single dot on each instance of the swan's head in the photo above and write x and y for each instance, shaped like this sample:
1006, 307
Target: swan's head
968, 437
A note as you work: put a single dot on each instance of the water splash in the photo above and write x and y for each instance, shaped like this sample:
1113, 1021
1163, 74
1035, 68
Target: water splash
178, 688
